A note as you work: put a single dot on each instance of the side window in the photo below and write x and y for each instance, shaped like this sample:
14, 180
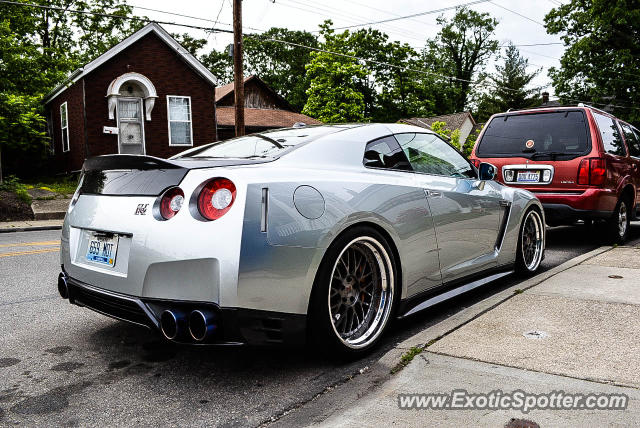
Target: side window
385, 153
429, 154
611, 138
64, 126
632, 140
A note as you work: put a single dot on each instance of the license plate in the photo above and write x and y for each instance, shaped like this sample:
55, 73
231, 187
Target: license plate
528, 177
102, 249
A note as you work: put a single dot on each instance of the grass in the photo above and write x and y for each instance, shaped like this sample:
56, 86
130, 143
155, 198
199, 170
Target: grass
518, 291
406, 358
63, 185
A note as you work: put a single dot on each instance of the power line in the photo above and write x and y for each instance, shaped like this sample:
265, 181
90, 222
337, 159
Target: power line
517, 13
420, 71
428, 12
532, 44
391, 13
349, 18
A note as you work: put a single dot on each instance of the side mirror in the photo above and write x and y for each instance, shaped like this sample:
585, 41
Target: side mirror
487, 171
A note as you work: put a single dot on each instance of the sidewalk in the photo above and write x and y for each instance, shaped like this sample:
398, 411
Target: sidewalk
29, 225
576, 331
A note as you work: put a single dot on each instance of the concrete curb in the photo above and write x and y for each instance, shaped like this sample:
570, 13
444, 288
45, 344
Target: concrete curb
30, 229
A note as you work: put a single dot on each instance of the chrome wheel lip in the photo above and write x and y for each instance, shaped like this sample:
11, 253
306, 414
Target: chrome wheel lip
532, 261
387, 294
622, 219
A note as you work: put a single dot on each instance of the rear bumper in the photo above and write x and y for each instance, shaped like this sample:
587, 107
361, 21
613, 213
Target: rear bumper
237, 326
568, 207
560, 213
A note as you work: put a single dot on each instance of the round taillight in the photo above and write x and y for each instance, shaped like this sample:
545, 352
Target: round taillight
216, 198
171, 202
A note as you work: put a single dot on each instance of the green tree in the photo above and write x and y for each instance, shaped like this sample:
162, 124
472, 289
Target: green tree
393, 86
461, 50
191, 44
453, 136
602, 56
510, 87
220, 64
21, 124
282, 65
335, 80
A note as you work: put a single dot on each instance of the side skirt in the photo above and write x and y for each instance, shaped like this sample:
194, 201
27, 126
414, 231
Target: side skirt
433, 297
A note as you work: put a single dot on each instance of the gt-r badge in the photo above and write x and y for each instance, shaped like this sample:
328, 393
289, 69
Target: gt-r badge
141, 209
530, 144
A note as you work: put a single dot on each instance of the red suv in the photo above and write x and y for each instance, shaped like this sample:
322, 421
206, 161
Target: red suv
581, 162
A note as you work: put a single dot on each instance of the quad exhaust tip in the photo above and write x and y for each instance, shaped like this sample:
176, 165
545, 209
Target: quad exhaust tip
63, 287
172, 324
202, 324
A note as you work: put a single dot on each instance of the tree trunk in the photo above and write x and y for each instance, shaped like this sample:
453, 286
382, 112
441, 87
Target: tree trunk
1, 164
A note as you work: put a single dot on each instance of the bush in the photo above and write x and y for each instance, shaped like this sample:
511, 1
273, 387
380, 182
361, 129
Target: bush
12, 184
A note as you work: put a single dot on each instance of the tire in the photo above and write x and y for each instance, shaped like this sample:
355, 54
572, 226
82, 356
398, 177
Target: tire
355, 293
618, 224
530, 251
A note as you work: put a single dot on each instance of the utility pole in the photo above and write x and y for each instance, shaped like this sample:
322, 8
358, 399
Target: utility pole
238, 76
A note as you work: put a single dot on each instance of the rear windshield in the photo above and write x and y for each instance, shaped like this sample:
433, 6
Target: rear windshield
268, 144
530, 135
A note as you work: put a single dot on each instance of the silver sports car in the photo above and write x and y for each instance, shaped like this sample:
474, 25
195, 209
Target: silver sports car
321, 233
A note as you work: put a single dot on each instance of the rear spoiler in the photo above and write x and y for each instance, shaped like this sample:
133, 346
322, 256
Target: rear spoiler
129, 175
111, 162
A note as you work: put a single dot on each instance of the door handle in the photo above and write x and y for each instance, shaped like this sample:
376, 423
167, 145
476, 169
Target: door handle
432, 193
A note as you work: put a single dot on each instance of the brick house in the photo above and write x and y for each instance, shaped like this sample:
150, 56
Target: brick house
146, 95
264, 109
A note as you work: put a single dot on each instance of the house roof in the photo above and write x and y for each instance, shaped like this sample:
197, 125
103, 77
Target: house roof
263, 118
453, 121
197, 66
225, 90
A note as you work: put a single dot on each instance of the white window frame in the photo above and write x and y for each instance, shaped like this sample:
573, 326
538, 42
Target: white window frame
62, 128
183, 121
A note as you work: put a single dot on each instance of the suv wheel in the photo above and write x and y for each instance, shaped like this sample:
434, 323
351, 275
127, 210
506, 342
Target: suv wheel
619, 222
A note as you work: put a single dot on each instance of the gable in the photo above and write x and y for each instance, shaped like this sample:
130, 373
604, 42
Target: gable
160, 34
257, 94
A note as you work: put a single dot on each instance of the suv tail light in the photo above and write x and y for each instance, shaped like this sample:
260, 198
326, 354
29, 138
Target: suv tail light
598, 171
216, 198
171, 202
592, 171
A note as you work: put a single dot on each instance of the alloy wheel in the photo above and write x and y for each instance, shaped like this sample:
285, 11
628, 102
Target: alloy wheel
361, 292
532, 240
622, 219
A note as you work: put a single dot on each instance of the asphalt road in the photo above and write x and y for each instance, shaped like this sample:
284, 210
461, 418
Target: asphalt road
65, 365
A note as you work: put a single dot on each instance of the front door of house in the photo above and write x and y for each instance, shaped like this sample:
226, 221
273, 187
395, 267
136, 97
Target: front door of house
130, 126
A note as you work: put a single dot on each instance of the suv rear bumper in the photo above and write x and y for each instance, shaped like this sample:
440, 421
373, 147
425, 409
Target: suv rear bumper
561, 213
566, 207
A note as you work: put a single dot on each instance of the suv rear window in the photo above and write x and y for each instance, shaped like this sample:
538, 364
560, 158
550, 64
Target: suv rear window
523, 135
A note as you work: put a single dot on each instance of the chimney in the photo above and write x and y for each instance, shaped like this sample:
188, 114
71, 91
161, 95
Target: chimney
545, 97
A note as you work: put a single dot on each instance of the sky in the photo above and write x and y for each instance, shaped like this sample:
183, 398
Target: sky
521, 24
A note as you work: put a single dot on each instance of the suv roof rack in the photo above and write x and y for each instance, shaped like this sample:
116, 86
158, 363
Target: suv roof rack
594, 108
